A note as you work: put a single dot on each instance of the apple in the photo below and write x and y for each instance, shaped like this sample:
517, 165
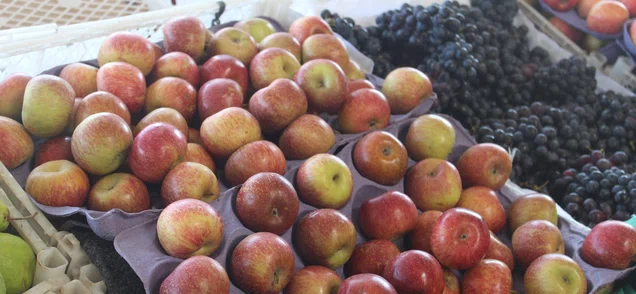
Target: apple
284, 41
253, 158
632, 32
366, 284
12, 94
405, 88
97, 102
324, 181
388, 216
278, 105
451, 283
119, 190
189, 180
306, 26
155, 150
127, 47
585, 6
196, 153
430, 136
415, 271
607, 17
487, 165
353, 71
164, 115
324, 83
56, 148
499, 251
364, 110
172, 92
158, 51
460, 230
314, 279
178, 65
58, 183
228, 130
562, 5
536, 238
484, 201
488, 276
569, 31
17, 145
271, 64
554, 271
194, 136
433, 184
262, 263
218, 94
532, 207
258, 28
325, 46
267, 202
124, 81
358, 84
235, 42
631, 6
185, 34
82, 77
591, 43
305, 137
420, 237
370, 257
47, 106
225, 66
70, 125
209, 274
611, 244
381, 157
189, 227
325, 237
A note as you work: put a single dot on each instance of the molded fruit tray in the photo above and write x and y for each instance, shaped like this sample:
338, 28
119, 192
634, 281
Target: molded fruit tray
575, 20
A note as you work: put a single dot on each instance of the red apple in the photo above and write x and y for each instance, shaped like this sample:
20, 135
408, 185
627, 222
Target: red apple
487, 276
185, 34
460, 238
119, 190
12, 94
189, 180
196, 153
209, 274
124, 81
155, 150
100, 102
607, 17
364, 110
284, 41
325, 46
536, 238
228, 130
324, 181
82, 77
178, 65
569, 31
271, 64
253, 158
561, 5
53, 149
500, 251
420, 237
451, 283
388, 216
278, 105
415, 271
355, 85
235, 42
325, 84
225, 66
585, 6
314, 279
305, 137
532, 207
381, 157
258, 28
158, 51
218, 94
58, 183
484, 202
127, 47
405, 88
306, 26
554, 271
17, 145
371, 257
631, 6
366, 284
433, 184
164, 115
486, 165
611, 244
172, 92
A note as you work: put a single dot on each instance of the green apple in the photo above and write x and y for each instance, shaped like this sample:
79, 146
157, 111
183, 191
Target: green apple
48, 104
324, 181
430, 136
554, 274
258, 28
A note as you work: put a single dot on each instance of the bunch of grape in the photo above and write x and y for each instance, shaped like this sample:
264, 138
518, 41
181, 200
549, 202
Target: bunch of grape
617, 122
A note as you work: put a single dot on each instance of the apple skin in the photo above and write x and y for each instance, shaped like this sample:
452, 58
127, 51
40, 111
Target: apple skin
58, 183
370, 257
194, 136
381, 157
611, 244
451, 283
325, 237
158, 51
306, 26
284, 41
178, 65
487, 276
366, 284
82, 77
164, 115
585, 6
430, 136
225, 66
119, 190
267, 202
70, 125
253, 158
536, 238
127, 47
196, 153
17, 145
353, 70
52, 149
532, 207
325, 46
388, 216
358, 84
484, 202
460, 238
562, 5
631, 6
155, 150
305, 137
172, 92
499, 251
420, 237
271, 64
258, 28
364, 110
405, 88
189, 180
228, 130
189, 227
607, 17
101, 142
278, 105
433, 184
413, 272
218, 94
100, 101
569, 31
262, 263
235, 42
210, 277
124, 81
185, 34
324, 83
324, 181
486, 165
12, 95
314, 279
47, 106
554, 271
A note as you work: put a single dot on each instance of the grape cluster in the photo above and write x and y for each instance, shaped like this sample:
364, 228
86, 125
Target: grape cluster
617, 122
570, 80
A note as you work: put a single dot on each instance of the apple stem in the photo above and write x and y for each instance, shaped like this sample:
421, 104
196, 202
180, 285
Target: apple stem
24, 218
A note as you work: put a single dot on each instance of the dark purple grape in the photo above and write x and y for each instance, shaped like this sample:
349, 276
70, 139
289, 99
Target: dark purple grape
603, 164
596, 155
589, 204
573, 198
606, 208
573, 209
619, 158
621, 216
621, 197
583, 160
596, 216
569, 172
